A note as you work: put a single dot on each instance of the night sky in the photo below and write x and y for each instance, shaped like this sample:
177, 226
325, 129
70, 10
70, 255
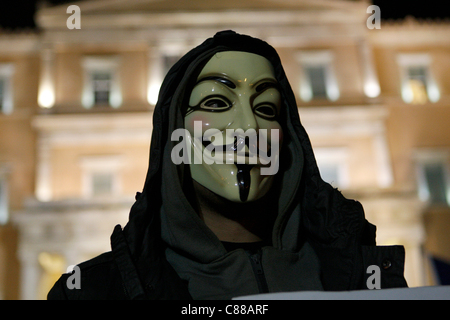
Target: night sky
18, 14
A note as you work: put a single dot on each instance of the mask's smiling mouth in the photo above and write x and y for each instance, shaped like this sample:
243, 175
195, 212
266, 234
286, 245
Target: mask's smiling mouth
240, 146
224, 148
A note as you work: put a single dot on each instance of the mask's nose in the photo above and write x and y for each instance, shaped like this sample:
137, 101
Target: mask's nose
245, 127
244, 117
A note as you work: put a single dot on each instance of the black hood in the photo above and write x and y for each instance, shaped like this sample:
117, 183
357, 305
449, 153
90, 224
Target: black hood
308, 209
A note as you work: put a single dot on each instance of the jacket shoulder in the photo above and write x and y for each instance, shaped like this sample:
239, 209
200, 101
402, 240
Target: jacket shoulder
95, 279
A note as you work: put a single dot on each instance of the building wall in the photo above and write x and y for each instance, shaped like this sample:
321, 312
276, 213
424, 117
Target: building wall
66, 162
17, 150
17, 138
413, 129
69, 74
412, 126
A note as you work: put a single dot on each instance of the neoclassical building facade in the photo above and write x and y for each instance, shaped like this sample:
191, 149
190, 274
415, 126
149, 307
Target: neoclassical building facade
76, 120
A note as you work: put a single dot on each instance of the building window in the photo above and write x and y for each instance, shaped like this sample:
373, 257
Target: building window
4, 197
418, 85
332, 163
435, 181
6, 94
101, 176
433, 177
2, 93
102, 183
169, 60
417, 81
330, 173
160, 61
317, 80
101, 85
101, 82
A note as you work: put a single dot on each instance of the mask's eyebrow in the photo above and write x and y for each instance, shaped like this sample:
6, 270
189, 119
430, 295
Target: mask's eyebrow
225, 81
266, 85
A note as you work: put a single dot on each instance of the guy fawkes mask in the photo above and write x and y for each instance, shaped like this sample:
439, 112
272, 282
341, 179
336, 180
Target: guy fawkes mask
232, 120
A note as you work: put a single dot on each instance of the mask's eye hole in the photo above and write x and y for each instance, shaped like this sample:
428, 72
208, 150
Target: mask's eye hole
215, 103
266, 110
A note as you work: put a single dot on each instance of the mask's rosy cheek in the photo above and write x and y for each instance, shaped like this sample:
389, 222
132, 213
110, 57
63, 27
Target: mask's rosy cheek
209, 120
196, 123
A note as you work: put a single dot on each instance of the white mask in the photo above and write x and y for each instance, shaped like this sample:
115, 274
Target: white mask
235, 91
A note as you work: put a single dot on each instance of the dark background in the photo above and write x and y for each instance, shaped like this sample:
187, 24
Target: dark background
16, 15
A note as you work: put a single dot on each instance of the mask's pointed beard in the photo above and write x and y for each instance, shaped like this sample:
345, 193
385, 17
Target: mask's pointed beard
243, 179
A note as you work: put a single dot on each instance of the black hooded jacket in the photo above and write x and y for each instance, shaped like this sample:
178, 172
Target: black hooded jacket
320, 239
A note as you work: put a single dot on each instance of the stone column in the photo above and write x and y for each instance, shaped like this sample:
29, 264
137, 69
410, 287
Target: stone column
43, 169
46, 94
155, 70
370, 78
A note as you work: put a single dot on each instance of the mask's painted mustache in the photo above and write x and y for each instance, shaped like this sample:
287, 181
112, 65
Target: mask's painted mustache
236, 146
243, 179
243, 170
